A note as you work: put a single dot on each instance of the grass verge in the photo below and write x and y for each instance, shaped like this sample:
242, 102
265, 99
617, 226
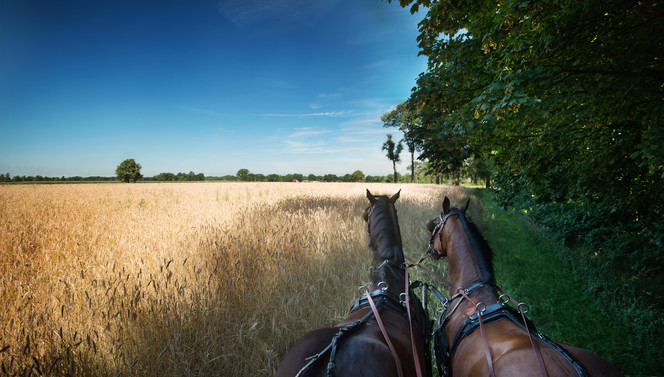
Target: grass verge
534, 268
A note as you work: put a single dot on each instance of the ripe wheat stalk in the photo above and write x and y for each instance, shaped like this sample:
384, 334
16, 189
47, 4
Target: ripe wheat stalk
183, 279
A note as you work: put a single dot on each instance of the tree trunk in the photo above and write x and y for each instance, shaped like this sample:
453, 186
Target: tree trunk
488, 181
412, 167
457, 176
394, 164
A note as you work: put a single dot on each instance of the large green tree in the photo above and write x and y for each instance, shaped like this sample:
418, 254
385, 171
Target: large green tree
393, 152
564, 96
242, 175
564, 99
128, 171
357, 176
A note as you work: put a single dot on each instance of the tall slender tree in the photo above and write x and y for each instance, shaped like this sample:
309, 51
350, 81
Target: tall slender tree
393, 150
407, 121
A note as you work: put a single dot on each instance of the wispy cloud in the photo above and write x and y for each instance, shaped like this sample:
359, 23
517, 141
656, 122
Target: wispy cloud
377, 65
324, 100
307, 140
304, 115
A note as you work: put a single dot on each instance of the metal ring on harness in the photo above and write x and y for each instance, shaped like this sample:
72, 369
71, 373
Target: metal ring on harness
477, 307
382, 286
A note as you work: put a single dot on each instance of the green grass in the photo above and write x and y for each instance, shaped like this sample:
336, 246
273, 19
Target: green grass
535, 269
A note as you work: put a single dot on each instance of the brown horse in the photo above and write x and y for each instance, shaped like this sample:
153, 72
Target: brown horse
357, 346
479, 334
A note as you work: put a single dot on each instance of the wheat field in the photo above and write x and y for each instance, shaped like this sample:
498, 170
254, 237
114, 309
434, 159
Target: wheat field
184, 279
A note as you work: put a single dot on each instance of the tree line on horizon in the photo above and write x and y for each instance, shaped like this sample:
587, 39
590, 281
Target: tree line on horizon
243, 175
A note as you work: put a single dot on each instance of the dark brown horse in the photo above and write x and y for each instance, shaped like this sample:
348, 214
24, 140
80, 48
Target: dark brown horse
479, 333
356, 346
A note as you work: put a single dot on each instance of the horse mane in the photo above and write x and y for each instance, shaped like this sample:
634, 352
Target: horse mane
481, 249
385, 225
385, 239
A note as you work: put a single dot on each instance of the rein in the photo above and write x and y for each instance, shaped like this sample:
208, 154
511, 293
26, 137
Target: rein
374, 309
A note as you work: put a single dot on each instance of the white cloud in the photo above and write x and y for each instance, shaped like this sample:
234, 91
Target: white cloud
304, 115
306, 140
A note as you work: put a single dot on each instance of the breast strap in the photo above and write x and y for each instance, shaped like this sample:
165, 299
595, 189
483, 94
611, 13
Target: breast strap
492, 313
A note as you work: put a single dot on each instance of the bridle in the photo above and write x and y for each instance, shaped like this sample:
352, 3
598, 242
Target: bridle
437, 231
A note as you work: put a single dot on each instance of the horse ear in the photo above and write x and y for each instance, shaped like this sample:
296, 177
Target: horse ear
394, 197
431, 226
365, 215
371, 198
446, 206
466, 206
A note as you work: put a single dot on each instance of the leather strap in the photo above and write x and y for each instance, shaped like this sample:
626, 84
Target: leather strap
536, 349
428, 271
382, 329
416, 360
485, 341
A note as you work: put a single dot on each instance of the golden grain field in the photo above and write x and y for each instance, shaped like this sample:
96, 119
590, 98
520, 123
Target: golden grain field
183, 279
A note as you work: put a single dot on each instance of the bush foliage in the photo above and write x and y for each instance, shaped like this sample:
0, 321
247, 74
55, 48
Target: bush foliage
563, 100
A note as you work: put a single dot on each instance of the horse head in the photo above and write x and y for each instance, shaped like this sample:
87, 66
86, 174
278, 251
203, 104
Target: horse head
436, 246
383, 225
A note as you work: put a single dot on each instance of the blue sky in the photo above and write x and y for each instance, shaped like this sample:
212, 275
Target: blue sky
211, 86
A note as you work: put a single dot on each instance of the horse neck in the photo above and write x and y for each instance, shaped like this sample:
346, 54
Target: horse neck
465, 269
389, 269
466, 265
388, 252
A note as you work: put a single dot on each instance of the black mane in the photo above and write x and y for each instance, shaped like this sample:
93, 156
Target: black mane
481, 249
385, 239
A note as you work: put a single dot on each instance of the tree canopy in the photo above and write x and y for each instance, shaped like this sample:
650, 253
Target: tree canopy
129, 171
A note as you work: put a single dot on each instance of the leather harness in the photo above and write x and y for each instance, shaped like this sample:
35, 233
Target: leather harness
484, 315
382, 298
493, 313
